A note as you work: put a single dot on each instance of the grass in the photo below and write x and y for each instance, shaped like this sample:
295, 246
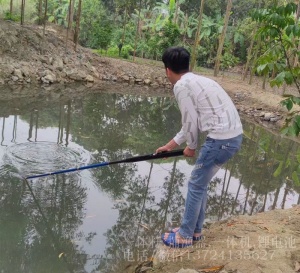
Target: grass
152, 62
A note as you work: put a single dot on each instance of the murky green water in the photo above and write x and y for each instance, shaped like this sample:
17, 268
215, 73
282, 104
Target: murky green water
109, 218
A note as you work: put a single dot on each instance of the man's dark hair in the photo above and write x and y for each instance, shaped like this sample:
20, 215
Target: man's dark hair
177, 59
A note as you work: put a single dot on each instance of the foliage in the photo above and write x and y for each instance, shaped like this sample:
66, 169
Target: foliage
228, 60
58, 12
211, 28
281, 33
16, 7
113, 51
96, 25
169, 36
12, 17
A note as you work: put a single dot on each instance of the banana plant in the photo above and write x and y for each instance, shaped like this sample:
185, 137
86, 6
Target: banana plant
165, 12
58, 11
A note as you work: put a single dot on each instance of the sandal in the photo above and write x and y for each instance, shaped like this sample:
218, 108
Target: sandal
195, 238
171, 241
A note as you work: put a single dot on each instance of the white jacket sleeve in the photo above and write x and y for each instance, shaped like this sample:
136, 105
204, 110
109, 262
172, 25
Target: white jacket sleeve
189, 117
180, 137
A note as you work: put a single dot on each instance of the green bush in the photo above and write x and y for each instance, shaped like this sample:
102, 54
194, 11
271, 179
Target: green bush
126, 51
12, 17
228, 60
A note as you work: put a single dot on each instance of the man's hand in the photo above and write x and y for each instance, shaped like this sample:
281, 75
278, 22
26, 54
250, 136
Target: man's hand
161, 149
189, 152
168, 147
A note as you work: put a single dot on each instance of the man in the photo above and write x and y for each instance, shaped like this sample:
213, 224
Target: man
205, 107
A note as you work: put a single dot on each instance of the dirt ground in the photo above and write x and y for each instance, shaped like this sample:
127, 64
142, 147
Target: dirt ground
267, 242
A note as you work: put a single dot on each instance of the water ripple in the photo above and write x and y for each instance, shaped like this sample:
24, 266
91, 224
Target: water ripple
34, 158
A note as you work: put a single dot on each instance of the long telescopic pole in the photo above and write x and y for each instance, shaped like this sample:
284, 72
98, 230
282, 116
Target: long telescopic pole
127, 160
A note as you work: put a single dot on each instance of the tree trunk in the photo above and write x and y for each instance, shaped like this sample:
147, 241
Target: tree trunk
77, 29
22, 11
264, 82
45, 18
197, 37
222, 39
40, 12
72, 14
137, 30
124, 26
176, 12
11, 7
69, 23
254, 60
249, 56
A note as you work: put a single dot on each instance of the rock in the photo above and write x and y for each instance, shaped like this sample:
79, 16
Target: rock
10, 69
58, 63
131, 79
155, 84
268, 116
138, 81
14, 78
77, 75
26, 71
187, 271
89, 78
18, 73
160, 80
147, 81
274, 119
50, 60
94, 70
48, 77
43, 59
125, 78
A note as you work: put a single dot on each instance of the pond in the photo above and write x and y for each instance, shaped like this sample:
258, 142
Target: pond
109, 219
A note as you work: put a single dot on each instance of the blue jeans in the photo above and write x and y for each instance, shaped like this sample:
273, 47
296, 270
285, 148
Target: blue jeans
213, 154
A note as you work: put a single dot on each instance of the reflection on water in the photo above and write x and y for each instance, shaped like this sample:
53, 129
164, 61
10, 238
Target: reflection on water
108, 219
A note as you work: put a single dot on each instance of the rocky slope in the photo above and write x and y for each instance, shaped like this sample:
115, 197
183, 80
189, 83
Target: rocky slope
28, 57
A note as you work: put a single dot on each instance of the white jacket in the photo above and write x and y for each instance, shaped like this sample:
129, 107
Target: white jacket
204, 107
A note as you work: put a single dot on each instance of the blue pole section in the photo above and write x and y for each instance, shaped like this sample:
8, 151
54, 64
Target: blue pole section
69, 170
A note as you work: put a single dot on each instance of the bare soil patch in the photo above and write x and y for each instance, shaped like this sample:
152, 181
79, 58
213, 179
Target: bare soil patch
267, 242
